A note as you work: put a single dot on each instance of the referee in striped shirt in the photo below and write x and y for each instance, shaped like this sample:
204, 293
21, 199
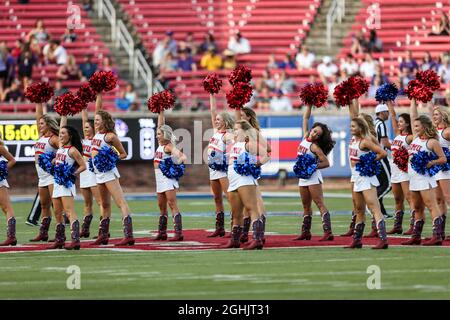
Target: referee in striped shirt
382, 114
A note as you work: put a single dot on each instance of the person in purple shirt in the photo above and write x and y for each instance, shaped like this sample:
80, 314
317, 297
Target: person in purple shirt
409, 63
429, 63
185, 62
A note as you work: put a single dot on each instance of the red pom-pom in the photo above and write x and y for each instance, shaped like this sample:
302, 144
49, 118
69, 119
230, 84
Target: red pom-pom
240, 74
103, 81
69, 104
417, 90
39, 92
344, 93
430, 79
161, 101
401, 157
359, 84
314, 94
86, 93
239, 95
212, 83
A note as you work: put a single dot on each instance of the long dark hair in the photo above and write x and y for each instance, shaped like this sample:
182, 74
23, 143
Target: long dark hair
407, 118
325, 142
75, 140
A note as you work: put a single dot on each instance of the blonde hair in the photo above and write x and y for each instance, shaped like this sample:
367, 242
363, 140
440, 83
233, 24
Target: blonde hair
228, 120
363, 126
444, 113
168, 133
249, 130
108, 122
369, 120
51, 123
430, 129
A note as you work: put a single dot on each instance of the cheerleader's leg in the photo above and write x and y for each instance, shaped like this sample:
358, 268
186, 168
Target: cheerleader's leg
8, 210
305, 195
317, 196
370, 197
237, 208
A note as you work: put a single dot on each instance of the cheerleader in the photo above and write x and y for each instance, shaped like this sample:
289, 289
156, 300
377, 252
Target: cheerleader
399, 177
318, 144
243, 188
88, 182
222, 124
364, 187
422, 187
7, 161
69, 155
45, 147
108, 184
441, 120
166, 187
249, 115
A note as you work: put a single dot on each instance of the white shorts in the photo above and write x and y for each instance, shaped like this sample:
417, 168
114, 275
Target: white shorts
316, 178
236, 181
363, 183
397, 175
103, 177
4, 183
87, 179
61, 191
442, 175
163, 183
45, 178
215, 175
418, 182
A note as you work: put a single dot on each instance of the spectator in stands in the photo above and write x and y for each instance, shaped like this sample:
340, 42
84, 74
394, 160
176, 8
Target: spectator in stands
286, 83
326, 69
169, 63
238, 44
35, 47
409, 65
39, 32
189, 44
185, 62
263, 100
107, 65
3, 69
87, 68
379, 72
211, 61
88, 6
287, 63
272, 63
160, 51
368, 67
429, 63
25, 65
280, 102
444, 70
229, 60
403, 80
69, 36
208, 42
69, 71
13, 94
17, 50
304, 58
131, 95
59, 88
121, 102
171, 43
55, 53
358, 43
376, 83
11, 63
349, 65
332, 83
374, 44
265, 81
442, 28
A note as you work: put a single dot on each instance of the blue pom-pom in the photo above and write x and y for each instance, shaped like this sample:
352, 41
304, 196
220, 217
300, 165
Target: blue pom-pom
171, 170
386, 92
64, 175
305, 166
368, 166
106, 159
218, 161
91, 165
45, 162
3, 170
245, 165
420, 160
446, 167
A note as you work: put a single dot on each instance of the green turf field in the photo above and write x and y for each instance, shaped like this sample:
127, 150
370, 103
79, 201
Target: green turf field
294, 273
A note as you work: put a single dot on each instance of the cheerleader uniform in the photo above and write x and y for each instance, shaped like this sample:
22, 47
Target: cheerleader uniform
360, 183
163, 183
217, 144
99, 142
443, 175
235, 179
87, 177
43, 146
4, 182
316, 178
419, 182
398, 175
62, 156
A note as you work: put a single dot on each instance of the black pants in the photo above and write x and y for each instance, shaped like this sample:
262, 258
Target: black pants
35, 212
385, 183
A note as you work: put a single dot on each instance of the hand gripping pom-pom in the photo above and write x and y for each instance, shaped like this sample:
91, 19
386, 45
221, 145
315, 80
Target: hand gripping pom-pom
3, 170
171, 170
212, 83
218, 161
401, 158
69, 104
64, 175
240, 74
39, 92
239, 95
367, 166
245, 165
420, 160
106, 159
417, 90
386, 92
86, 93
314, 94
103, 81
45, 162
446, 167
161, 101
430, 79
305, 166
359, 84
344, 93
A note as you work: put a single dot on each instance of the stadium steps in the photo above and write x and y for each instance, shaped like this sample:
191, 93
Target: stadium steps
317, 36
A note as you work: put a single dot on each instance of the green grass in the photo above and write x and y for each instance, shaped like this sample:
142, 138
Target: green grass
306, 273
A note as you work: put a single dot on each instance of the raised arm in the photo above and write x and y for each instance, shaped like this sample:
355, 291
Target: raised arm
393, 116
39, 112
413, 110
161, 119
306, 118
237, 114
98, 102
212, 104
354, 108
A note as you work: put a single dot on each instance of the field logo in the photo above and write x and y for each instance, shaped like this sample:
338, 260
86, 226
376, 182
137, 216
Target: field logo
374, 19
374, 281
74, 280
74, 20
